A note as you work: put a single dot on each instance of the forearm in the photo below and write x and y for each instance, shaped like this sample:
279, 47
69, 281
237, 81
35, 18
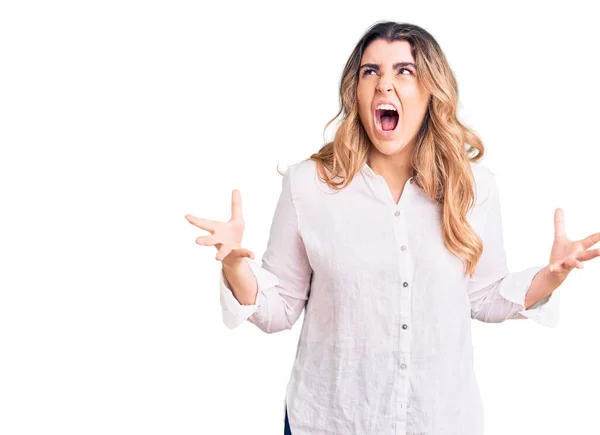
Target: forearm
242, 282
542, 285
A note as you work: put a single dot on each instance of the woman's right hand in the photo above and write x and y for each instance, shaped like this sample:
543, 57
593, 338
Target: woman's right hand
225, 236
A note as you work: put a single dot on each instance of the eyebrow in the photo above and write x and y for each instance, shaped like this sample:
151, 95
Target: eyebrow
377, 66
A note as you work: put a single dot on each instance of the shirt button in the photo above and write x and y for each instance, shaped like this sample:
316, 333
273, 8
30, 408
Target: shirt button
411, 181
404, 326
397, 213
403, 248
405, 284
403, 366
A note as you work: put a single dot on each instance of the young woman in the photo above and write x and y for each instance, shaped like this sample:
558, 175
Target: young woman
391, 238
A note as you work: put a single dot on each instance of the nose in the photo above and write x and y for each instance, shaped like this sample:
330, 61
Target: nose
384, 86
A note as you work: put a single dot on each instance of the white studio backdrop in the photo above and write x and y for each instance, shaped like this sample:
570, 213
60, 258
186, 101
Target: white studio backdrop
119, 118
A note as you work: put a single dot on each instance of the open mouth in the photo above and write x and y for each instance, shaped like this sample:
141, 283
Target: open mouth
386, 120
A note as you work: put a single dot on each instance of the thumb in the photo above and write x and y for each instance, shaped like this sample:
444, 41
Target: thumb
242, 252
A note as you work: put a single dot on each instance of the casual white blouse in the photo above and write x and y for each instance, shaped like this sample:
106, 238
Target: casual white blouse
385, 346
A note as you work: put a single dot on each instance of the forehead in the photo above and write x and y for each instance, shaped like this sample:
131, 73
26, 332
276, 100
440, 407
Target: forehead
381, 51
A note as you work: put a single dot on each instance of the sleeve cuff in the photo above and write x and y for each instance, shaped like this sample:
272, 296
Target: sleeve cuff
515, 287
235, 313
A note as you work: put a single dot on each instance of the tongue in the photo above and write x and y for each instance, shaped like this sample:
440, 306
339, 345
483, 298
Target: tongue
389, 122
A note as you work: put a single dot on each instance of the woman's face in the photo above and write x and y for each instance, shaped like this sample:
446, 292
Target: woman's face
388, 74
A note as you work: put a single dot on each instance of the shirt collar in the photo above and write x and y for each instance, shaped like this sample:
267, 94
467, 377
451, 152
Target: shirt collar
366, 169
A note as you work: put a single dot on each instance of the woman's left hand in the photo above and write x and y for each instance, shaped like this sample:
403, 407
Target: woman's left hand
567, 254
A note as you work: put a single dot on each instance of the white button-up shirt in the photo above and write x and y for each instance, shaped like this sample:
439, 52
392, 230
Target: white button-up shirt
385, 346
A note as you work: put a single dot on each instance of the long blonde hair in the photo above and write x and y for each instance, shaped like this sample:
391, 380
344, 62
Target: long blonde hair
444, 147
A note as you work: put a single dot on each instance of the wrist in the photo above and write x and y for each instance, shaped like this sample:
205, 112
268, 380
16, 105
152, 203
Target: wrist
232, 264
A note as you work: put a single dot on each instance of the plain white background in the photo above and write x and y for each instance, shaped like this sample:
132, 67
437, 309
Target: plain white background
118, 118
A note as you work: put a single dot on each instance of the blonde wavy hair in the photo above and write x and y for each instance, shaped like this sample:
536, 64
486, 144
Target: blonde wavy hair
444, 147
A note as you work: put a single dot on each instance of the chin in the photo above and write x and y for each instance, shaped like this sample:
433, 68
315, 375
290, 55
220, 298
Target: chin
388, 146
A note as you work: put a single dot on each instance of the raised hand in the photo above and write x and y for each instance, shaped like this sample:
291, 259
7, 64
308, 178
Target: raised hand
225, 236
567, 254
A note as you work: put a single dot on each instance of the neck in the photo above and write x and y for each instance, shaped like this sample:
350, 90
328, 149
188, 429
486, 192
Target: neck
395, 169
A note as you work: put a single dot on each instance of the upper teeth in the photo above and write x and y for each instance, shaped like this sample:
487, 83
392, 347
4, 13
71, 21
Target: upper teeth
386, 107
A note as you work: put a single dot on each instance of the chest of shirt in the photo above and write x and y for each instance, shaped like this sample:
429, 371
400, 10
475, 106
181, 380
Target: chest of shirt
356, 233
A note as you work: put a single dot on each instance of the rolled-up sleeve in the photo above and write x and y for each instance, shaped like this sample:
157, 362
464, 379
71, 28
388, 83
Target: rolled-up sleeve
284, 277
496, 294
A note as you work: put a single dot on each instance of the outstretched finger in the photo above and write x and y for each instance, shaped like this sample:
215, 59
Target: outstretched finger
205, 224
589, 254
559, 224
590, 240
236, 205
208, 240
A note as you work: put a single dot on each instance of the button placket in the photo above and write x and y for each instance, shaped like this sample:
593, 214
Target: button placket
404, 276
404, 313
403, 248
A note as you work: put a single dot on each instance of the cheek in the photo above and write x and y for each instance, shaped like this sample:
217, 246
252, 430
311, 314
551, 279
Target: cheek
411, 93
360, 96
415, 101
364, 104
